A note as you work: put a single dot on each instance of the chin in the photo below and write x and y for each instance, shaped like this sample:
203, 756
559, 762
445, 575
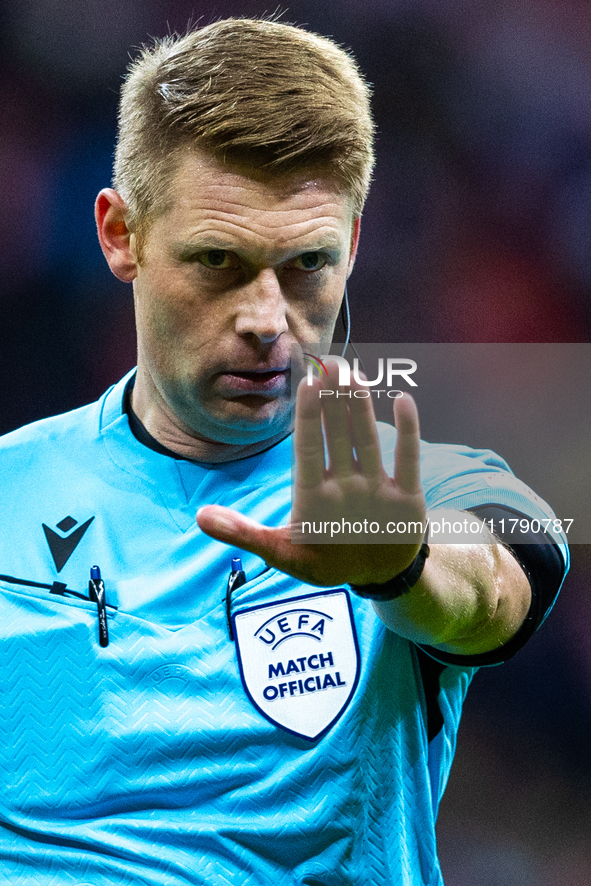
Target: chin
252, 426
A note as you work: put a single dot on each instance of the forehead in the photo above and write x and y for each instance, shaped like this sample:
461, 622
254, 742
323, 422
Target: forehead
207, 197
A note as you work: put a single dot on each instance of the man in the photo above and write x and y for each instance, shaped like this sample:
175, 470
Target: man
295, 722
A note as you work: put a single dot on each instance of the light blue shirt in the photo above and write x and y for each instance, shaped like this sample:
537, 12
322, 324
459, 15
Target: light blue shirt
148, 761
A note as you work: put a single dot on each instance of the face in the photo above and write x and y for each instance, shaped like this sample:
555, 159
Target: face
232, 275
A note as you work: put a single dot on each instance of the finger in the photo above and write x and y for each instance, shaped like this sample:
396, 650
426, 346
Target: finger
309, 442
233, 528
273, 545
365, 433
407, 454
337, 426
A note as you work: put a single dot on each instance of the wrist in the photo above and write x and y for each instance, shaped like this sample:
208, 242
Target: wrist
398, 585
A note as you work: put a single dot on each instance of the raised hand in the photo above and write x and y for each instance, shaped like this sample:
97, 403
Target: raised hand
353, 487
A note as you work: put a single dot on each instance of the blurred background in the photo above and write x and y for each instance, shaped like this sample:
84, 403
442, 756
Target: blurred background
476, 230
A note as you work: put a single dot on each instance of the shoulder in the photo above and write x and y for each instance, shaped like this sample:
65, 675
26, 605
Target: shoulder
55, 438
460, 477
47, 429
444, 463
59, 440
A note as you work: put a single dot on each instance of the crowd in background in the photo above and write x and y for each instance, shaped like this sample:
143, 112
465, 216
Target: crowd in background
477, 229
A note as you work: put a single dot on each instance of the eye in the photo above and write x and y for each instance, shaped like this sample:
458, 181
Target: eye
217, 259
309, 261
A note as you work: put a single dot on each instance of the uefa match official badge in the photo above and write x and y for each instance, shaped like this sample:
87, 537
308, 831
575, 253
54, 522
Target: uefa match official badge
299, 660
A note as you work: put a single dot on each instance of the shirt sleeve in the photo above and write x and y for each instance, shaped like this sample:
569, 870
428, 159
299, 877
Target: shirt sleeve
480, 481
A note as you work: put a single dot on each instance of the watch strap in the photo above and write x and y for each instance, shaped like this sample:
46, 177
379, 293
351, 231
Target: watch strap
397, 586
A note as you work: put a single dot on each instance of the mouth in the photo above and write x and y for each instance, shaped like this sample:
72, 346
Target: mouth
269, 382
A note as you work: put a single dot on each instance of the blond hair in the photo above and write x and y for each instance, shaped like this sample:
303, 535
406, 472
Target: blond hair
254, 93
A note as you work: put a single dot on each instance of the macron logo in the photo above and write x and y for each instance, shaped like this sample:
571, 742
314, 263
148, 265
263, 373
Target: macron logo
63, 546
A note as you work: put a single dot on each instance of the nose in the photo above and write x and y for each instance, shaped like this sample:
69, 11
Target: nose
262, 311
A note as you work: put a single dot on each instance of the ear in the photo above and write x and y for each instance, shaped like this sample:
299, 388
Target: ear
354, 244
117, 241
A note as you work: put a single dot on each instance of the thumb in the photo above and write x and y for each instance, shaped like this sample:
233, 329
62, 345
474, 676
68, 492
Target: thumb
235, 529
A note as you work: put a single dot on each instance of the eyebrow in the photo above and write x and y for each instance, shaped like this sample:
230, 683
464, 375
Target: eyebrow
188, 247
183, 247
